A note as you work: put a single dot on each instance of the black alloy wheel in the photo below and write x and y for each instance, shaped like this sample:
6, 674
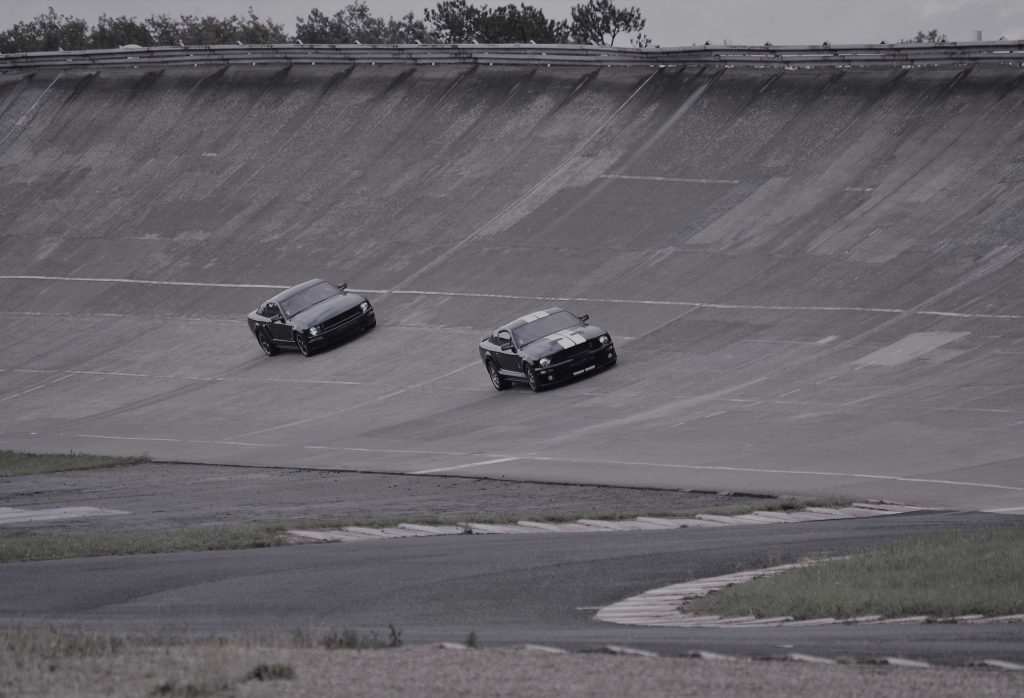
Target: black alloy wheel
497, 380
303, 344
265, 344
532, 380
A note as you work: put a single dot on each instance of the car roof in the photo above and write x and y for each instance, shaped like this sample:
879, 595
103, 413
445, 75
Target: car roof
295, 289
530, 317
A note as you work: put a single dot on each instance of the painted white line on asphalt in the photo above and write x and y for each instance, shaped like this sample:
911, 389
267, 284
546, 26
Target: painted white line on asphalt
461, 467
208, 379
905, 663
999, 664
17, 515
498, 458
415, 453
682, 180
564, 299
820, 473
359, 405
145, 282
167, 440
31, 390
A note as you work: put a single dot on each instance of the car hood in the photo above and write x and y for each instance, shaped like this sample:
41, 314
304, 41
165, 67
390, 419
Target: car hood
549, 345
325, 310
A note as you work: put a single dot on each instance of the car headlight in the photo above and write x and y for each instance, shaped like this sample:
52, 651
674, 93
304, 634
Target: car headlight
364, 306
314, 331
545, 361
604, 339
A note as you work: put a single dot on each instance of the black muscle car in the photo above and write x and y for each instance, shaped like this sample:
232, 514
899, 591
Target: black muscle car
309, 316
544, 348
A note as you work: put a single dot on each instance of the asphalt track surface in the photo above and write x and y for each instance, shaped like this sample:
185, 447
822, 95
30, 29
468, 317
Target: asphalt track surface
507, 590
814, 278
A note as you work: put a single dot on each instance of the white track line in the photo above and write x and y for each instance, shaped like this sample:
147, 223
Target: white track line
461, 467
562, 299
500, 457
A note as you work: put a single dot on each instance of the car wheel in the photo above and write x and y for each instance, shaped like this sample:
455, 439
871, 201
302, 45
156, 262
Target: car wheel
303, 344
497, 380
532, 381
265, 344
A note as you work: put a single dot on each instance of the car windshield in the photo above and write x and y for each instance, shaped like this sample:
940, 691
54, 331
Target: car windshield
533, 331
307, 298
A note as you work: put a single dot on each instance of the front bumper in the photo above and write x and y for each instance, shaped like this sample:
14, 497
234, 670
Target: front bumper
342, 329
577, 366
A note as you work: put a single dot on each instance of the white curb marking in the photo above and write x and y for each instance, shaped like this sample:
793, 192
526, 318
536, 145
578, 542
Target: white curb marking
642, 523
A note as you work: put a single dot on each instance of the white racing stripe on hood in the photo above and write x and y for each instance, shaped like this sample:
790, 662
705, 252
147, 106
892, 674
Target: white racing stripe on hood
566, 338
534, 316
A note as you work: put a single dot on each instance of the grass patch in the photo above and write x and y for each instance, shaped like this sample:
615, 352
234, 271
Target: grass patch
941, 576
22, 547
271, 672
353, 640
18, 463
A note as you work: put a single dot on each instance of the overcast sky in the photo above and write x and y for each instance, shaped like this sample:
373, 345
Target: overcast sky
669, 22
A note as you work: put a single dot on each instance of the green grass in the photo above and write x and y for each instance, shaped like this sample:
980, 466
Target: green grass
942, 576
24, 547
17, 463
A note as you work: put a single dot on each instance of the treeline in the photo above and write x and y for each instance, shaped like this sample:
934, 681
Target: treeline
450, 22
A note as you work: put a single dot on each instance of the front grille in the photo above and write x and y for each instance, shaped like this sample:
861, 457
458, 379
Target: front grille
577, 350
341, 320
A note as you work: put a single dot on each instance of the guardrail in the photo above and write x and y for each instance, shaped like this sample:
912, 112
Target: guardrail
854, 55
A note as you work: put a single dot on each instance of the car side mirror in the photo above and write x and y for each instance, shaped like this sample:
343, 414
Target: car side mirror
277, 318
584, 318
342, 286
506, 346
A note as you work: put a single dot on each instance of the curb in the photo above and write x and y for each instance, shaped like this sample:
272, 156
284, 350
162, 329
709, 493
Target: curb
641, 523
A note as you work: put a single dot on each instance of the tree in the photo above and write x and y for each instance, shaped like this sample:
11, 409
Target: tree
355, 23
511, 24
932, 37
113, 32
600, 22
47, 32
454, 22
200, 31
407, 30
457, 22
253, 30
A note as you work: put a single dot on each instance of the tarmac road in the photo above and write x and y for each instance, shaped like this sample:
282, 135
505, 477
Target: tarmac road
542, 588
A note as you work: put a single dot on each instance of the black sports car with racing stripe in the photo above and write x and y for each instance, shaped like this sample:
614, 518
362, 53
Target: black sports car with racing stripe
545, 348
309, 316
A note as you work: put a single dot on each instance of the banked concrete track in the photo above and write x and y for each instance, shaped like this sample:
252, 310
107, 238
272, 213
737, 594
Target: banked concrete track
814, 277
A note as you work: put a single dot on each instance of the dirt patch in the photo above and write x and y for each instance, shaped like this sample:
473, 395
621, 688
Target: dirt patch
97, 667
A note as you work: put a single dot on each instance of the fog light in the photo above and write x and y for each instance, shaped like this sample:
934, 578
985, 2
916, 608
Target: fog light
551, 378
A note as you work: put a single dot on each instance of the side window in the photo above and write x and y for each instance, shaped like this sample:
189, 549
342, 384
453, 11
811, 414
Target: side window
270, 310
504, 337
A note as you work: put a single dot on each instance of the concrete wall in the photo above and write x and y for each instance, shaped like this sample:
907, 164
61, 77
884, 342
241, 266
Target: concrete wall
845, 237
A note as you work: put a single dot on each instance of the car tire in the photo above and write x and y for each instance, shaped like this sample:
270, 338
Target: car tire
497, 380
303, 345
532, 380
371, 323
268, 347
